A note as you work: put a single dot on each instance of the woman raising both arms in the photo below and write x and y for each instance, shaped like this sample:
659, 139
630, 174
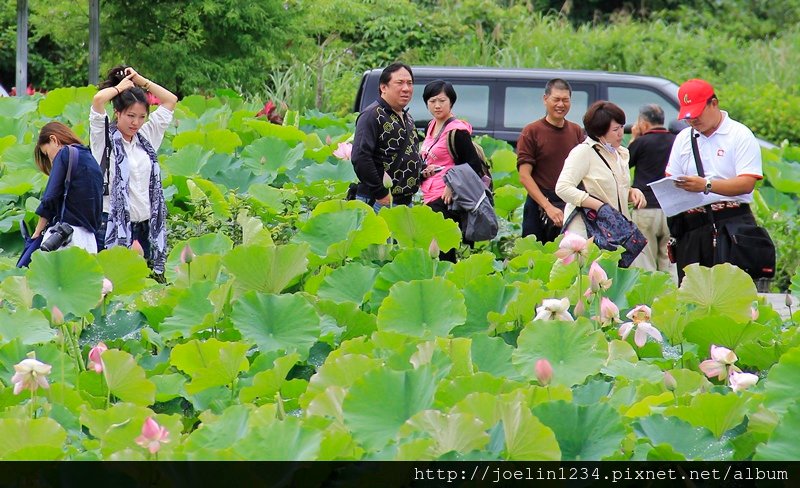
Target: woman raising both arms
135, 201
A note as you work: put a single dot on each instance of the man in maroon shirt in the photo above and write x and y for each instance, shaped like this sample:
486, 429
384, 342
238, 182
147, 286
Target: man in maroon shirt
542, 148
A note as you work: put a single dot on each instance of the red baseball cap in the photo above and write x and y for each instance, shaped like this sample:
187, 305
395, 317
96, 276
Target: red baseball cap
693, 97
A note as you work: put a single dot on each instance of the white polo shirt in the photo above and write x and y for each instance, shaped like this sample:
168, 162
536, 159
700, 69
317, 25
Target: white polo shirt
731, 151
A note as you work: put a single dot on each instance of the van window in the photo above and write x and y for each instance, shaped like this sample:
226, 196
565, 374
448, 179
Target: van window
472, 104
630, 99
523, 105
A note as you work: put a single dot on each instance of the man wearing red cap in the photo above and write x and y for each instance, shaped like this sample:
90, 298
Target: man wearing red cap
731, 160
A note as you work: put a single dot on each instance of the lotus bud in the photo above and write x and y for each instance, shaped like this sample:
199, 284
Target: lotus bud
56, 316
433, 249
187, 256
387, 180
108, 287
788, 299
544, 372
669, 381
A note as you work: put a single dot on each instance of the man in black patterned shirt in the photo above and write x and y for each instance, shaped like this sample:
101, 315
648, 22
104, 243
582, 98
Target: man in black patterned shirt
385, 142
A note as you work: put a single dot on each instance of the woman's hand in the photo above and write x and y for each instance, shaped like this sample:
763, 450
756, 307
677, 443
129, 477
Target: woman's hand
126, 83
636, 197
447, 195
137, 79
431, 170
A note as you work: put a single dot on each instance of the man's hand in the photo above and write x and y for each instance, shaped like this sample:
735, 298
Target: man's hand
385, 201
555, 214
694, 184
447, 195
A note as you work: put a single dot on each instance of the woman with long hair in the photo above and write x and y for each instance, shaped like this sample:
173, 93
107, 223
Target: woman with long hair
81, 208
135, 203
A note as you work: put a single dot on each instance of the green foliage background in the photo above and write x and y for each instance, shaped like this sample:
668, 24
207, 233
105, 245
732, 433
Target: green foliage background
311, 53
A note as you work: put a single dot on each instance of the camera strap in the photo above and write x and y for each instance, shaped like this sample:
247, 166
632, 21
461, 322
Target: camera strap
105, 160
73, 155
698, 162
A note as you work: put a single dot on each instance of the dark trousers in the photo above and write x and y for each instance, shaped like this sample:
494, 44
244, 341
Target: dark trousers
140, 231
438, 205
694, 235
532, 222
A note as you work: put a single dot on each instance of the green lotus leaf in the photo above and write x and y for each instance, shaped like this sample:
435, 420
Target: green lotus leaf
297, 442
187, 161
575, 350
267, 383
204, 190
408, 265
382, 400
16, 107
218, 432
276, 322
507, 199
270, 156
27, 326
168, 386
191, 312
20, 182
418, 226
338, 444
350, 283
341, 372
520, 309
783, 445
721, 290
475, 266
593, 391
452, 391
459, 432
271, 198
715, 412
277, 266
126, 379
722, 331
695, 443
120, 324
783, 176
343, 234
210, 363
287, 133
26, 439
648, 288
7, 142
197, 105
780, 390
253, 231
422, 308
758, 356
623, 280
633, 371
217, 140
70, 279
493, 355
126, 270
355, 321
526, 437
584, 432
340, 171
50, 353
484, 295
670, 317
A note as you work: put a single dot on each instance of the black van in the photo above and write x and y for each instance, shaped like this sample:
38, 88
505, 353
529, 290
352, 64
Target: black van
501, 101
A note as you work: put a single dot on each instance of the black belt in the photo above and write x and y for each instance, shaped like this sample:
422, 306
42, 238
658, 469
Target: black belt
694, 221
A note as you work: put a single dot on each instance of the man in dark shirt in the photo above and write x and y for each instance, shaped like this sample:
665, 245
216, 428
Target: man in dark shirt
385, 142
649, 152
542, 148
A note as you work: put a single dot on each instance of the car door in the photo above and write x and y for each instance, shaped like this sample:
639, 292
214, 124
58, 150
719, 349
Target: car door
472, 103
631, 97
520, 103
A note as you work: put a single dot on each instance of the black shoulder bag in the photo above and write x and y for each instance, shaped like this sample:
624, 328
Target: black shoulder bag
745, 245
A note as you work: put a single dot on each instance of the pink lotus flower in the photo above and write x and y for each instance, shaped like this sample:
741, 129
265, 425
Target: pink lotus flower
720, 364
387, 180
152, 99
30, 374
137, 248
153, 435
187, 256
94, 357
108, 287
640, 320
609, 312
56, 316
598, 279
754, 312
433, 249
544, 372
343, 151
554, 309
742, 381
573, 246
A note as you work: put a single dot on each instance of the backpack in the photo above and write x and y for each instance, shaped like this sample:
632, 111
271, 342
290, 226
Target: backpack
486, 175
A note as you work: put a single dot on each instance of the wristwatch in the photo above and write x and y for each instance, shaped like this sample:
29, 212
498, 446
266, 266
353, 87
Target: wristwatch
708, 185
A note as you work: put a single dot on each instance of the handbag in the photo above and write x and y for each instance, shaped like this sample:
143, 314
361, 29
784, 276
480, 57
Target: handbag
741, 244
610, 230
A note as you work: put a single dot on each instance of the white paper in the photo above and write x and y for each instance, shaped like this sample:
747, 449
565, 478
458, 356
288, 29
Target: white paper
674, 200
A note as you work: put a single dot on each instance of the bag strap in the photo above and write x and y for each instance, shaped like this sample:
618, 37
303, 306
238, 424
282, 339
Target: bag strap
105, 160
613, 175
693, 135
73, 155
438, 135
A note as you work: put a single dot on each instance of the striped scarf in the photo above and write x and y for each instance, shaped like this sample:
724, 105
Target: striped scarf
118, 231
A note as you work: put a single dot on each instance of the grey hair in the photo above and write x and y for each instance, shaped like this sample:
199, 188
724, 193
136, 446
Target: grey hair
653, 113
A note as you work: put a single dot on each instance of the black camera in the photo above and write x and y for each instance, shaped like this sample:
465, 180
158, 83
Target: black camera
60, 236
